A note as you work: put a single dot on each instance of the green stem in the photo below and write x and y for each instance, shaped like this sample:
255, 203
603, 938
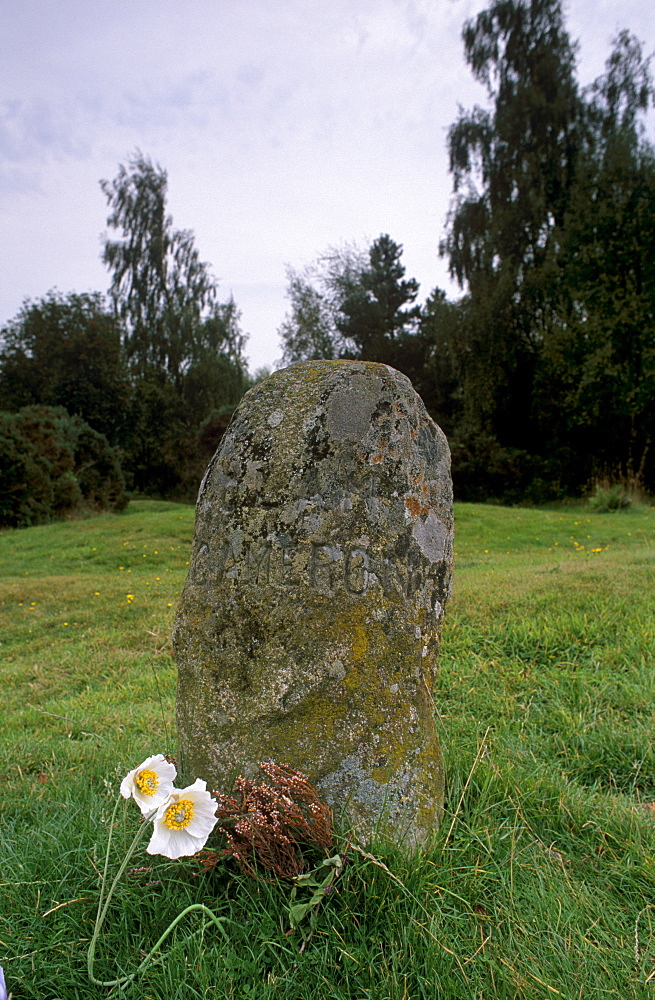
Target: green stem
103, 905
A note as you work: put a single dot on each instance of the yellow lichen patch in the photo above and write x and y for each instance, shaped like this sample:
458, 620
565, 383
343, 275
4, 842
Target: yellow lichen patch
360, 644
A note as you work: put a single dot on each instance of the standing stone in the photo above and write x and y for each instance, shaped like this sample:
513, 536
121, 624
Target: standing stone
309, 625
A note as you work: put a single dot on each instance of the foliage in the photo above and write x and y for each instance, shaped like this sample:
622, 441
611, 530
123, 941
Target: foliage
66, 351
160, 288
53, 465
514, 164
320, 883
551, 233
541, 872
307, 332
513, 168
610, 493
438, 372
28, 493
596, 383
543, 373
608, 497
350, 304
376, 309
184, 347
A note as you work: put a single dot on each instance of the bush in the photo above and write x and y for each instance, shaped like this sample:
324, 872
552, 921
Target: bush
615, 492
66, 351
54, 466
606, 498
482, 468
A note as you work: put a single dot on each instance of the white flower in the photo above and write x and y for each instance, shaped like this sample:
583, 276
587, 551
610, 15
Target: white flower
3, 988
183, 822
150, 783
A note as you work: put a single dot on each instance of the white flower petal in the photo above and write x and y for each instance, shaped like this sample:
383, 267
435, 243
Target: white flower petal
174, 844
183, 822
149, 784
204, 818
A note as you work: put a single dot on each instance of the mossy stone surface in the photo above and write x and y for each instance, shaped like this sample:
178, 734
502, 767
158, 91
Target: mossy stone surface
308, 630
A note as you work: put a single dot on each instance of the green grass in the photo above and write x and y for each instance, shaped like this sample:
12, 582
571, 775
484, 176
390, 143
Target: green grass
541, 882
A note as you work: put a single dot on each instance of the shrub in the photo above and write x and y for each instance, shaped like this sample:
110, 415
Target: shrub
54, 466
615, 493
608, 498
26, 494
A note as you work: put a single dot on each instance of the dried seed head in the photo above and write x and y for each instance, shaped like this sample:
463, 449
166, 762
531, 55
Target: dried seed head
267, 824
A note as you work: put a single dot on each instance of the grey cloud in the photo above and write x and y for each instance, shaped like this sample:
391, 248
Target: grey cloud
250, 75
33, 134
37, 129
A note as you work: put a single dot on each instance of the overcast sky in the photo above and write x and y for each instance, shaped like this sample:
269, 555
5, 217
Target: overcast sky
286, 127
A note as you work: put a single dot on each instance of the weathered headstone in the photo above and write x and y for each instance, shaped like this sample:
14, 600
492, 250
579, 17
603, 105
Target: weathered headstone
308, 629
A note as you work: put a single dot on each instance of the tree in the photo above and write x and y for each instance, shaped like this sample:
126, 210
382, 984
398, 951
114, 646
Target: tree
311, 329
513, 169
622, 93
161, 289
596, 384
376, 310
184, 347
173, 430
216, 377
307, 331
351, 303
66, 351
439, 376
552, 231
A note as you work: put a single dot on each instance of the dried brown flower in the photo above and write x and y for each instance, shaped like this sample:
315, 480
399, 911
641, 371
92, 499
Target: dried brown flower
268, 822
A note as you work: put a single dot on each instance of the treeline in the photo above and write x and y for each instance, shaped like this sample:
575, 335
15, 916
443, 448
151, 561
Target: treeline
132, 394
543, 373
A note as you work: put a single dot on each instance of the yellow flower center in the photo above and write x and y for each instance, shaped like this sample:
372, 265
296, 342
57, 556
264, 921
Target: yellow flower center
147, 782
178, 815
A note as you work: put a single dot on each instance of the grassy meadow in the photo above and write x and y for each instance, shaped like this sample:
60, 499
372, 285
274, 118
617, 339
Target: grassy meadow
541, 881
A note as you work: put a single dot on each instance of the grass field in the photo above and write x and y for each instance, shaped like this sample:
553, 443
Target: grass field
541, 882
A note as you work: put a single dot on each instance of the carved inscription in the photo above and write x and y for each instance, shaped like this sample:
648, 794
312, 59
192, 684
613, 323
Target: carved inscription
329, 568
